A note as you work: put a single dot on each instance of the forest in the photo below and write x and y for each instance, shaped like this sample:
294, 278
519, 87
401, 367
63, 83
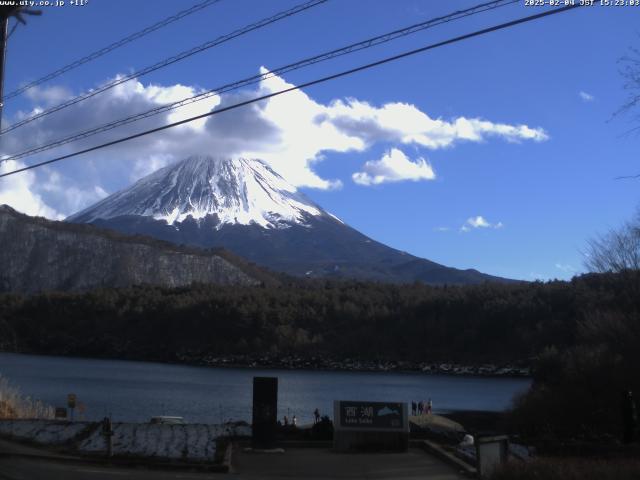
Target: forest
485, 323
491, 322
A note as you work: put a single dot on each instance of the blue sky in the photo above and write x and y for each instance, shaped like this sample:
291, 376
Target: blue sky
541, 192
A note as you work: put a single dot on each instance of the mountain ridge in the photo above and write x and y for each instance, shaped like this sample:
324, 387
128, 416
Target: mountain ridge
40, 254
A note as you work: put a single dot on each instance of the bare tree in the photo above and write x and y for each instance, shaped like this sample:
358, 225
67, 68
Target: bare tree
616, 251
630, 73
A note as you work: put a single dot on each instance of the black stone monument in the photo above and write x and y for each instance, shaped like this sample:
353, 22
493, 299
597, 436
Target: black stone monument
265, 411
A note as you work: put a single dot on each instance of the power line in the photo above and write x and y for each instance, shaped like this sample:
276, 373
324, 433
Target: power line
109, 48
168, 61
354, 47
303, 85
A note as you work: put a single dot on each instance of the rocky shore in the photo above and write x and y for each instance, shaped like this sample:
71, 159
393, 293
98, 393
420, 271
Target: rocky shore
322, 363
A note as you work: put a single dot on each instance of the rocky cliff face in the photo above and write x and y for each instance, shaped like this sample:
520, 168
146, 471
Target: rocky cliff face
38, 255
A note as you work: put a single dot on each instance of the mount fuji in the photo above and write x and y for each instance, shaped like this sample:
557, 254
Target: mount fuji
246, 207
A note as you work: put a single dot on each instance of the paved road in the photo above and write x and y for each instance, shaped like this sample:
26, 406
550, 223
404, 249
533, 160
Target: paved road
314, 463
16, 464
30, 469
320, 464
307, 463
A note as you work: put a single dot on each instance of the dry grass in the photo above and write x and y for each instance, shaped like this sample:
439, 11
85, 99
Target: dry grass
14, 405
570, 469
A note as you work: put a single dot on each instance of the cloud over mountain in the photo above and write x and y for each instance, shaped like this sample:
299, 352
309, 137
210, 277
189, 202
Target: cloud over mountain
19, 192
292, 132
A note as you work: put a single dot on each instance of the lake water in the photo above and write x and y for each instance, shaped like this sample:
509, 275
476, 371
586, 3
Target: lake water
136, 391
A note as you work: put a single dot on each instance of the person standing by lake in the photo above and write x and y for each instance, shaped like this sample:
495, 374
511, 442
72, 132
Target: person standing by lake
316, 416
429, 406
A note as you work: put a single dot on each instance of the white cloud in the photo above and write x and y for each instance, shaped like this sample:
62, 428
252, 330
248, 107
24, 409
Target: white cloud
441, 229
49, 96
17, 191
586, 97
292, 132
540, 277
405, 123
394, 166
565, 268
149, 164
68, 196
479, 222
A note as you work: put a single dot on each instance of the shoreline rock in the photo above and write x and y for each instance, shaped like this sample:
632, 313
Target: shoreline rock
324, 364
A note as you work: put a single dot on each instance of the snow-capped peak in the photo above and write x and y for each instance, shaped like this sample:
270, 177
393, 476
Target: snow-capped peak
238, 191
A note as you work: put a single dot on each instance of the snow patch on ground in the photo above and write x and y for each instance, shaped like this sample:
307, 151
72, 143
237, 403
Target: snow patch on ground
176, 442
43, 432
195, 442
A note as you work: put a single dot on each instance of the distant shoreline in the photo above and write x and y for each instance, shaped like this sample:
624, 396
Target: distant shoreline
483, 370
297, 362
451, 369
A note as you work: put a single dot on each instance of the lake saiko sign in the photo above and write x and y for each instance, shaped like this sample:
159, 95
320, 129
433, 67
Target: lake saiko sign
371, 415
